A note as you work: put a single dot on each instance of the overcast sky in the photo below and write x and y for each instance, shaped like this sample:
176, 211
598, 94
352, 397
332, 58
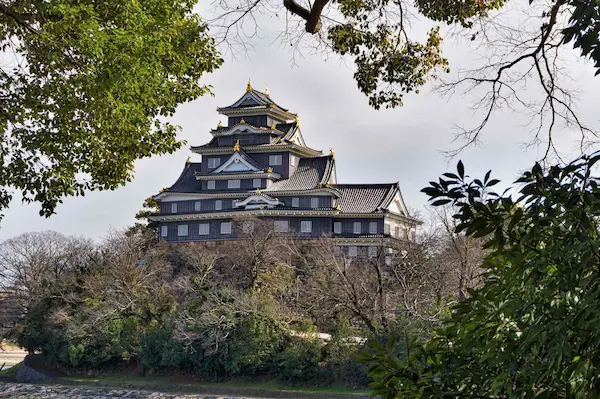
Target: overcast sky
404, 144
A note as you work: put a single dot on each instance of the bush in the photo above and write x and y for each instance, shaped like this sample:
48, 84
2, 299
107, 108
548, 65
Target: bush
299, 361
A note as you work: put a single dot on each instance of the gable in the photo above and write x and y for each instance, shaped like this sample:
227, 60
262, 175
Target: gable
397, 205
248, 100
236, 163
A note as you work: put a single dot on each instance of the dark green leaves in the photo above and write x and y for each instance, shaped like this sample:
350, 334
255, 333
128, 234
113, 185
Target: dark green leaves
530, 331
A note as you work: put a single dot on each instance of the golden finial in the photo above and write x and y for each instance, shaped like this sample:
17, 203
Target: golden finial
220, 124
331, 152
164, 189
267, 92
249, 86
257, 191
273, 126
338, 207
319, 185
242, 121
187, 160
270, 170
236, 147
293, 141
327, 185
297, 120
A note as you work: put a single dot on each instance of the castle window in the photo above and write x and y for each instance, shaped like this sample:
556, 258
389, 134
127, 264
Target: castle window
275, 160
182, 230
314, 202
295, 202
372, 252
292, 160
281, 226
210, 185
197, 206
164, 231
218, 205
204, 229
386, 228
373, 228
357, 227
306, 226
174, 207
214, 162
233, 183
337, 227
352, 252
256, 183
388, 260
226, 228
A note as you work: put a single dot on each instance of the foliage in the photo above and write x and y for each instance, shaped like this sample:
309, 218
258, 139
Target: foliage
249, 308
529, 330
88, 90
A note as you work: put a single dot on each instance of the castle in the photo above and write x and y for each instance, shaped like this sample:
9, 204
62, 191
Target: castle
258, 165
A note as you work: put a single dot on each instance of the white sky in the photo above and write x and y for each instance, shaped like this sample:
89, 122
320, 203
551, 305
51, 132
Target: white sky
403, 144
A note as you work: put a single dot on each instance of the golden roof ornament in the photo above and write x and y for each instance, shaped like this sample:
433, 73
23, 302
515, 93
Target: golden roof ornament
267, 92
220, 124
236, 147
297, 120
242, 121
187, 160
164, 189
331, 154
338, 207
248, 86
270, 170
257, 191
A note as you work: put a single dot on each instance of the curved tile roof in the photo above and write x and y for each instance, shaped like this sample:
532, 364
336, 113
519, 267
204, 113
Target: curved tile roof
187, 183
365, 198
310, 173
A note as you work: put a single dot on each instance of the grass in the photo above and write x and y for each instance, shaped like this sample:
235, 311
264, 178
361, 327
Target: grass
10, 372
269, 389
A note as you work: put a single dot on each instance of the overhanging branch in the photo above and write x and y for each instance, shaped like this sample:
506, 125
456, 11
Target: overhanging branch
312, 17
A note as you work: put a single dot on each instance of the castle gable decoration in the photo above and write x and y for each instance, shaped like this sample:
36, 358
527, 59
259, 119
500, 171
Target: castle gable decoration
259, 165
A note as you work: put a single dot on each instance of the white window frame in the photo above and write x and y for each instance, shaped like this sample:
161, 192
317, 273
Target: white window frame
237, 183
173, 207
214, 163
204, 229
372, 251
275, 160
197, 206
281, 226
372, 227
314, 202
337, 227
210, 185
306, 226
164, 231
353, 251
295, 202
256, 183
357, 228
182, 230
225, 228
218, 205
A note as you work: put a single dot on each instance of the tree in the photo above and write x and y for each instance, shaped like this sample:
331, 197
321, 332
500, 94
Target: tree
374, 291
35, 270
392, 59
530, 330
88, 89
